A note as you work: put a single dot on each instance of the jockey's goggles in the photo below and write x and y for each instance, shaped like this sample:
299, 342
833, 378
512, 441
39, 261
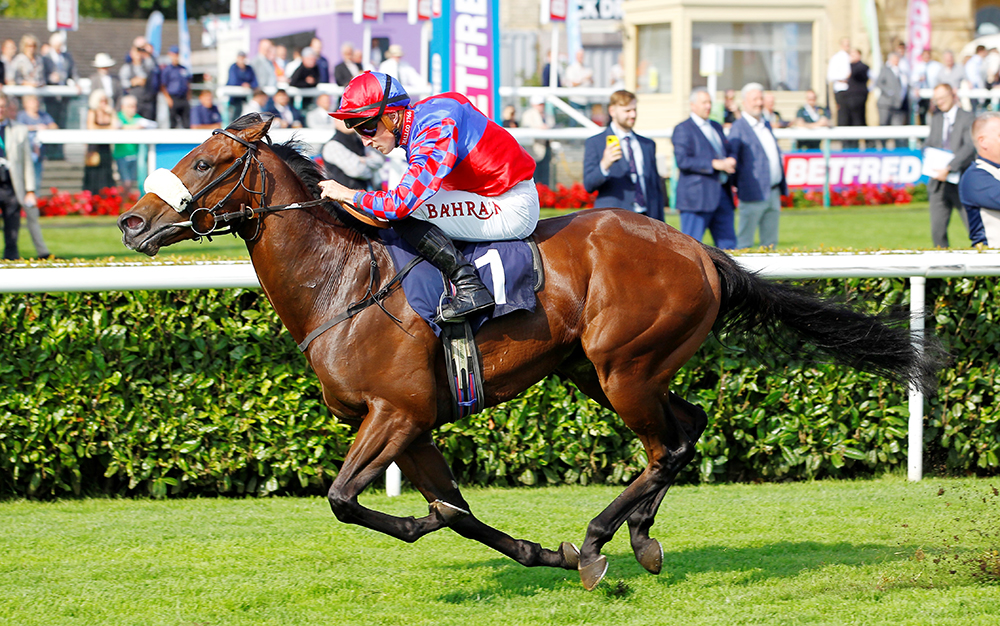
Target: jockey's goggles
364, 126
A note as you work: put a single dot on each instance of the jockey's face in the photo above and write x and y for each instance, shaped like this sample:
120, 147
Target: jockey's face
384, 140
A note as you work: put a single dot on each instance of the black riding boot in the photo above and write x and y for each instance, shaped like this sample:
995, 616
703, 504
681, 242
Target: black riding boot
472, 295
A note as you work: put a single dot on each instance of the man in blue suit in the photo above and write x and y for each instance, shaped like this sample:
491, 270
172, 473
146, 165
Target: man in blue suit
707, 167
760, 175
620, 165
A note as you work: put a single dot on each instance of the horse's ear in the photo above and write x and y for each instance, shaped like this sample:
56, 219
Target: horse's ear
258, 128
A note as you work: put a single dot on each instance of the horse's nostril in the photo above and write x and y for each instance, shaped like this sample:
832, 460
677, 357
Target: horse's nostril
133, 223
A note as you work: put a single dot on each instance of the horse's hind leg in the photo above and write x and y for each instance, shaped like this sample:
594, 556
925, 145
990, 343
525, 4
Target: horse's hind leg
668, 449
648, 551
427, 469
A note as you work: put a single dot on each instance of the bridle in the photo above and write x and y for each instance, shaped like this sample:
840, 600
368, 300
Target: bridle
204, 221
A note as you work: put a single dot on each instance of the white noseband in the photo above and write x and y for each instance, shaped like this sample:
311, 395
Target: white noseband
169, 188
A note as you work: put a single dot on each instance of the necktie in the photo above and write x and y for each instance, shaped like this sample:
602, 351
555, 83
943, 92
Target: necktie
713, 138
945, 132
640, 198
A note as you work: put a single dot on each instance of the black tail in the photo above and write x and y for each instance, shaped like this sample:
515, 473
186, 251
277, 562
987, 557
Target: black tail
764, 310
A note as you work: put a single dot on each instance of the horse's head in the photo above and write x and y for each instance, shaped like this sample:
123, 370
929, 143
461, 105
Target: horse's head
219, 174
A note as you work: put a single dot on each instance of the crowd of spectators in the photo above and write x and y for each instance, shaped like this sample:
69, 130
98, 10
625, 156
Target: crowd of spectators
137, 92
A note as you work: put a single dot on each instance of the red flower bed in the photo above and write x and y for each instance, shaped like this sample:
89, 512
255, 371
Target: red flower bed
575, 197
865, 195
109, 202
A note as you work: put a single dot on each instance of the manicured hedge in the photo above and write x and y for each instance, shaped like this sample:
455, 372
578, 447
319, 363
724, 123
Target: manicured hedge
203, 392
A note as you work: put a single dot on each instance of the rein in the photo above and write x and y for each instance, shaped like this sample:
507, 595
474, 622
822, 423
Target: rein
204, 221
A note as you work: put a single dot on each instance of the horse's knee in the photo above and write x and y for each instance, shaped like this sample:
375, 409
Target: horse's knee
693, 418
340, 504
684, 453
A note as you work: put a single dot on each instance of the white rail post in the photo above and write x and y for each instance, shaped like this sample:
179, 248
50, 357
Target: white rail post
393, 481
915, 453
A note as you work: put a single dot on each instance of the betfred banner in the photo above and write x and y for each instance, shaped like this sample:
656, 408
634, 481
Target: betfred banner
465, 54
63, 15
918, 28
420, 11
852, 169
248, 9
558, 10
367, 10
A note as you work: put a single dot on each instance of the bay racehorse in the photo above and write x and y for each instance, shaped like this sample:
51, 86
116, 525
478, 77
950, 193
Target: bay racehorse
626, 302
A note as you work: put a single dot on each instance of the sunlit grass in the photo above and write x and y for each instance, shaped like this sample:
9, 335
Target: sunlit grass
824, 553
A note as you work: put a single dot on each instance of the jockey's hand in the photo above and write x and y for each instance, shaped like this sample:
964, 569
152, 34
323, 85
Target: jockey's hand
332, 190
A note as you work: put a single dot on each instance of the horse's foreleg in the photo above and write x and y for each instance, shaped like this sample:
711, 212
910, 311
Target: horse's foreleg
648, 551
425, 467
380, 439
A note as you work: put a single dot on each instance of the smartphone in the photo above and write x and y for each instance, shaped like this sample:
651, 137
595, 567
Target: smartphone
612, 140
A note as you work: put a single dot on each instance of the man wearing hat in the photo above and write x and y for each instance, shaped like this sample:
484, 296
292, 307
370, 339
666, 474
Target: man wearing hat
395, 66
175, 84
468, 179
103, 79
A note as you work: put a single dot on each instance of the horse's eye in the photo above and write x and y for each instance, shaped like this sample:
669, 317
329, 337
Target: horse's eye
202, 166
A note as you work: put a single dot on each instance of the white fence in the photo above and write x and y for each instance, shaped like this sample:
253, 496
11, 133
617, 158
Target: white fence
917, 266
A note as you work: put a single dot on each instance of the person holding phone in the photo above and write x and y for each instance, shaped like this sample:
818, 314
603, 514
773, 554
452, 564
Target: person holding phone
620, 165
467, 179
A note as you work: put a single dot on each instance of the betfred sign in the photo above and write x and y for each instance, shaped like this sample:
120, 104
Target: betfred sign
851, 169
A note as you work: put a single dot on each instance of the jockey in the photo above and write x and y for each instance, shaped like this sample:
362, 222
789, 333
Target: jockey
468, 179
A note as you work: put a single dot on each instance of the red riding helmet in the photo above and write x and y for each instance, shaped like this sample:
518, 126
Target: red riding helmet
368, 96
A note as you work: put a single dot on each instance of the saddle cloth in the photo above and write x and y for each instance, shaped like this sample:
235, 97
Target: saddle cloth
507, 268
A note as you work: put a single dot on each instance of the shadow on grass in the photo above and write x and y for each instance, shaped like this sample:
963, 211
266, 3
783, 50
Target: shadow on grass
785, 559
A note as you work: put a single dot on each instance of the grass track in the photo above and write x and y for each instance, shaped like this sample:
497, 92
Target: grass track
806, 553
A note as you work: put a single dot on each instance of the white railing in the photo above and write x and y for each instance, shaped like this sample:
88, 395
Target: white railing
34, 277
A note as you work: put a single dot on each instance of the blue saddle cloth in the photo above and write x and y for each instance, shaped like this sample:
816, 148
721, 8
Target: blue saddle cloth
505, 267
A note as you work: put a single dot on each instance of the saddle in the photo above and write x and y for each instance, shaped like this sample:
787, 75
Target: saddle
511, 270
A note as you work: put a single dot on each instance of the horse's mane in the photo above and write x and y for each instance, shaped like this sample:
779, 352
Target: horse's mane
295, 154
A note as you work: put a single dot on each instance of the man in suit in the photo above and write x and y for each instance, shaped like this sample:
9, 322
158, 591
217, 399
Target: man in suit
346, 69
622, 170
979, 188
324, 66
289, 116
17, 178
760, 174
706, 165
951, 130
892, 101
60, 69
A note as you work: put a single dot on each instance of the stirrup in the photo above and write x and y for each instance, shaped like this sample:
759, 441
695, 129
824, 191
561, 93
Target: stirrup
476, 301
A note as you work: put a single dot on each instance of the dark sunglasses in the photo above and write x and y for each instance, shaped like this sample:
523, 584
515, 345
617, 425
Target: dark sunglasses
364, 126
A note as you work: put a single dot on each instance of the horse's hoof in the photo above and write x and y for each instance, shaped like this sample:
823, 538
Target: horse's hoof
592, 574
650, 556
448, 512
570, 555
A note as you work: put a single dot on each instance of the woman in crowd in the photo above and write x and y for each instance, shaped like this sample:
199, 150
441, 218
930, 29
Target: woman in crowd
35, 120
28, 68
98, 172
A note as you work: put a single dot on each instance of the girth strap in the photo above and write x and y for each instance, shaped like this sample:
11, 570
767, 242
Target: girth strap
373, 298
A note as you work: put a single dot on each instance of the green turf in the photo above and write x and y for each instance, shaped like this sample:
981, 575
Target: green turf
894, 228
807, 553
